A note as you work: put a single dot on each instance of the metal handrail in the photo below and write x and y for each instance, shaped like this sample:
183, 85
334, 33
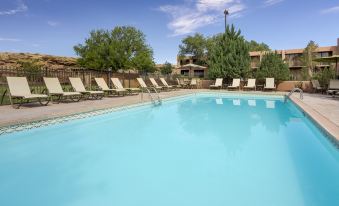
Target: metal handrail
297, 90
151, 96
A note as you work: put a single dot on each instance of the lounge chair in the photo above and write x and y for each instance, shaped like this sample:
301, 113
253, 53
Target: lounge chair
155, 84
55, 90
179, 85
250, 84
316, 86
117, 84
235, 84
333, 87
144, 86
270, 85
19, 89
194, 83
217, 84
78, 86
166, 85
104, 87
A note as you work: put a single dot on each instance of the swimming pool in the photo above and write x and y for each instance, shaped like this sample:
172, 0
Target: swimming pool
205, 149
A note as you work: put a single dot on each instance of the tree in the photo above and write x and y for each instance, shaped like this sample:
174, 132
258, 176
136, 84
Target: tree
255, 46
166, 68
272, 66
308, 58
229, 55
122, 48
194, 46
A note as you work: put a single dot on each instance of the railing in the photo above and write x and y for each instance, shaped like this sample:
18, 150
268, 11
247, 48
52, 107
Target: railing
296, 90
155, 102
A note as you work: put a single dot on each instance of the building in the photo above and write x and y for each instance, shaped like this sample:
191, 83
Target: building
291, 56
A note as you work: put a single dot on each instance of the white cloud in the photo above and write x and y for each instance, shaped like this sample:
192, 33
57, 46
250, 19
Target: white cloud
194, 14
272, 2
10, 39
53, 23
334, 9
22, 7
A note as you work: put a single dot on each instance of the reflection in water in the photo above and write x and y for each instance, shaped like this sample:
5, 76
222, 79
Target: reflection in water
252, 102
236, 102
270, 104
219, 101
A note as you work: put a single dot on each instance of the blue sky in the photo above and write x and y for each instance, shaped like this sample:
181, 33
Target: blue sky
55, 26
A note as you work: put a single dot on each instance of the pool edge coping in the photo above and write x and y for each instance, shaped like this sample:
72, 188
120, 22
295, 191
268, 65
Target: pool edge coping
30, 124
329, 128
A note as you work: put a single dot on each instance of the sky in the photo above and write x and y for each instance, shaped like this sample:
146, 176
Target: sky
55, 26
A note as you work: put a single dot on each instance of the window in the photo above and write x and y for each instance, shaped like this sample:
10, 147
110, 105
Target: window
199, 73
324, 54
184, 72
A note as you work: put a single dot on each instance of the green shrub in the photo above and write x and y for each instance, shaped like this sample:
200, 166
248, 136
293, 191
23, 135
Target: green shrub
272, 66
324, 76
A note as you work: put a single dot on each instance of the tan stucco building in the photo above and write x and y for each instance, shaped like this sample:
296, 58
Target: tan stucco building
290, 56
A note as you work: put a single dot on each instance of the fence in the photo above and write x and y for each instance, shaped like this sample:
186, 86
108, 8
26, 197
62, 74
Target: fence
35, 79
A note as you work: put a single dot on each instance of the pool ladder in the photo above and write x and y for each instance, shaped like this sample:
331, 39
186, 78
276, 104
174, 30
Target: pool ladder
155, 100
297, 90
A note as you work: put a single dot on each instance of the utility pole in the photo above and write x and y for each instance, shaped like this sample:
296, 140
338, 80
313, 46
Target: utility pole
226, 13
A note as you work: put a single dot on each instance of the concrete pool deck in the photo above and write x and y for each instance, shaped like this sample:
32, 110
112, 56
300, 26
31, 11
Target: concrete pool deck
323, 109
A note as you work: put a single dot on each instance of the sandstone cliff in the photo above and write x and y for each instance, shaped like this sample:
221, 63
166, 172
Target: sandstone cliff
52, 62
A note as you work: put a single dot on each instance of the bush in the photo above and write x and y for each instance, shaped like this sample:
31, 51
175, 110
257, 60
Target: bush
166, 69
272, 66
324, 76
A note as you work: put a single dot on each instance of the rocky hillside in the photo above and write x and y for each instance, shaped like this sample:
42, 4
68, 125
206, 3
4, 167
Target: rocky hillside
52, 62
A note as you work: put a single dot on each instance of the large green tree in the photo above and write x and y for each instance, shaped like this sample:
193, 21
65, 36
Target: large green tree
121, 48
255, 46
196, 46
273, 66
229, 55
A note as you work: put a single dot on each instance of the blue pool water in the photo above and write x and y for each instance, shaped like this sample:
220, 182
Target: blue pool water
200, 150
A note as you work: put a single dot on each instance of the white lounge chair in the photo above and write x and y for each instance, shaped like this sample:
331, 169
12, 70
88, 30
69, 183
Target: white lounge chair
166, 85
333, 87
155, 84
217, 84
104, 87
194, 83
144, 86
117, 84
180, 84
270, 85
54, 89
250, 84
78, 86
19, 90
235, 84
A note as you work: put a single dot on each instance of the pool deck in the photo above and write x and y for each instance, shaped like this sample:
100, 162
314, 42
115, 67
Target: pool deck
323, 109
